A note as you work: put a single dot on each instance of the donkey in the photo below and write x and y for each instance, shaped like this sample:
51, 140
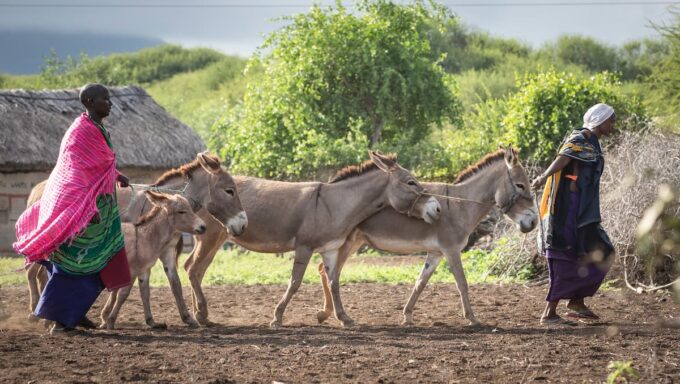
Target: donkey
311, 216
151, 236
208, 188
497, 179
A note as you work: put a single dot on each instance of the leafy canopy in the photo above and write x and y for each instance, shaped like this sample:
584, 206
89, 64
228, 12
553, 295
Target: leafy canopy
336, 82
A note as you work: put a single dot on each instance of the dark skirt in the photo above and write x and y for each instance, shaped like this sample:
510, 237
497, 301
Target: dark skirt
67, 298
570, 276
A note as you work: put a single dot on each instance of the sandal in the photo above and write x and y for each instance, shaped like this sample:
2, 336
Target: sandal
557, 321
60, 329
582, 313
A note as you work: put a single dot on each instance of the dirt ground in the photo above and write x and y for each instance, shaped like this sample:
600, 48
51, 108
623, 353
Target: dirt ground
511, 347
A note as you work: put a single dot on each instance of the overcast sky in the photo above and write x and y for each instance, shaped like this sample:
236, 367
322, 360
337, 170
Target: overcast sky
238, 29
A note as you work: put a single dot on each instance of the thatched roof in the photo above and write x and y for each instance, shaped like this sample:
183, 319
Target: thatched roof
32, 124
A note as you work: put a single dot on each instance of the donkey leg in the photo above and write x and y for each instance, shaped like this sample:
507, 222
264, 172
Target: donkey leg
327, 310
196, 266
456, 267
347, 249
169, 261
106, 310
145, 294
34, 291
122, 295
302, 256
433, 259
330, 260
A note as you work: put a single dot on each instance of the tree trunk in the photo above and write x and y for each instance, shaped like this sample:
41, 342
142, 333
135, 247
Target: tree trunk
378, 125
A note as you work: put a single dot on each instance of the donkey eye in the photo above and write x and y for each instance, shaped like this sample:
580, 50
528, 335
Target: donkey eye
182, 212
412, 182
230, 191
520, 186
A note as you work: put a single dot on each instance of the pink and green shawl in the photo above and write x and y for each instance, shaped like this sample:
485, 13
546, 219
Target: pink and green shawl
86, 168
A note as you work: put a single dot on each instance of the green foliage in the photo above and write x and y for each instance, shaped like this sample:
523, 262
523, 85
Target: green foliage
622, 372
461, 49
664, 95
550, 104
141, 67
336, 83
639, 57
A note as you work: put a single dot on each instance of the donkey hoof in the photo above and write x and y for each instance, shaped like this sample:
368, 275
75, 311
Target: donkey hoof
159, 326
102, 325
407, 323
321, 316
192, 324
347, 322
475, 324
33, 318
276, 324
204, 322
207, 323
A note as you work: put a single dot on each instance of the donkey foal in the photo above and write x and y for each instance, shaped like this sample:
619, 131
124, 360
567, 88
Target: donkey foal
152, 235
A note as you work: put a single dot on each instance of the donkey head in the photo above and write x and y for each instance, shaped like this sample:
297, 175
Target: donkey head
404, 193
214, 189
178, 210
513, 195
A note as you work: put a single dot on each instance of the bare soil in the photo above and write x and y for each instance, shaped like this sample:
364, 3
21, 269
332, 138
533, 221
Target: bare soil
511, 347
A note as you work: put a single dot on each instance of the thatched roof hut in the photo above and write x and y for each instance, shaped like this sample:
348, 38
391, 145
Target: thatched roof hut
146, 139
144, 135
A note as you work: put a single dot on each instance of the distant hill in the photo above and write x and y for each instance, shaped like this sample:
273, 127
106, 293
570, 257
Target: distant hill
23, 51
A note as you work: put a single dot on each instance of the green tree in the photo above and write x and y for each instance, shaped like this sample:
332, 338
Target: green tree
335, 83
550, 104
639, 57
585, 51
664, 96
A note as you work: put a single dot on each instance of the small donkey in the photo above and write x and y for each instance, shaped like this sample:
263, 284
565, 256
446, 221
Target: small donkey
151, 236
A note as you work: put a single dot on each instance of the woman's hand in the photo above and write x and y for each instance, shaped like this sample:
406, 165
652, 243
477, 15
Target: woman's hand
538, 182
123, 181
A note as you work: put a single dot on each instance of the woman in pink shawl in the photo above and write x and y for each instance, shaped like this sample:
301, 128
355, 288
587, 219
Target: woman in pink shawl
74, 230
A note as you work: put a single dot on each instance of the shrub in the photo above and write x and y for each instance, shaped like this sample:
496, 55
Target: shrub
550, 104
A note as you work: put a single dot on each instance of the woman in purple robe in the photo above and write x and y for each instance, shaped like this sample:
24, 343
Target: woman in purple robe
578, 249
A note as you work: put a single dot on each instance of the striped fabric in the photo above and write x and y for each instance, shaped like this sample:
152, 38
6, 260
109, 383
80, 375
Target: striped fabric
91, 250
86, 168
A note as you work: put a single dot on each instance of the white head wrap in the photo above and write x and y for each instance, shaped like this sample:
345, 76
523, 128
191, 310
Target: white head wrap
596, 115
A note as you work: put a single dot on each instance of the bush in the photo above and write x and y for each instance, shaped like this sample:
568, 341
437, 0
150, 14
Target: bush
550, 104
635, 168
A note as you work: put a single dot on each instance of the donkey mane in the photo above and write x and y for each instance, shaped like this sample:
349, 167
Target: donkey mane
153, 212
182, 171
356, 170
481, 164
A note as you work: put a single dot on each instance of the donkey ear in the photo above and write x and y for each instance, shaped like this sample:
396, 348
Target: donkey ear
156, 198
209, 162
383, 162
511, 156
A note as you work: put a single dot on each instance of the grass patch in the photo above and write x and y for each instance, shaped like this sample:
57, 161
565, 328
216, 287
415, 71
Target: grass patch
250, 268
8, 271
